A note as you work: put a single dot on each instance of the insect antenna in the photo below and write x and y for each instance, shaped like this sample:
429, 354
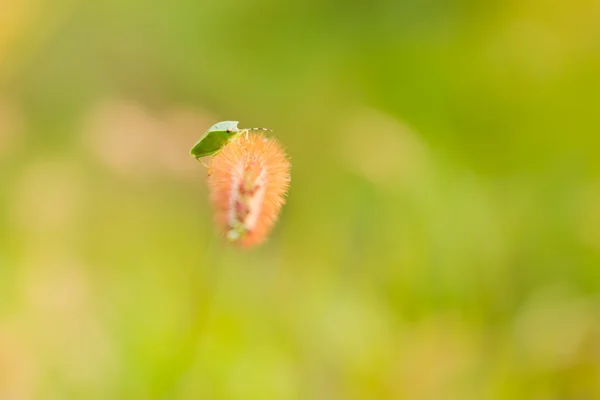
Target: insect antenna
260, 129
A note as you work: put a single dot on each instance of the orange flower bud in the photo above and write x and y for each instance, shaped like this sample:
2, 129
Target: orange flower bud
248, 180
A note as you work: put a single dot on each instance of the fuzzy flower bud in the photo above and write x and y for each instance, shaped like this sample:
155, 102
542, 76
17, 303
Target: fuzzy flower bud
248, 181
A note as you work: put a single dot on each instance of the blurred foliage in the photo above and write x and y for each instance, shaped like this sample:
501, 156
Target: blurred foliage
442, 234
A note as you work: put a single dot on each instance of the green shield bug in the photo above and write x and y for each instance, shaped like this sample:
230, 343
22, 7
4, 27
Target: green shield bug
217, 136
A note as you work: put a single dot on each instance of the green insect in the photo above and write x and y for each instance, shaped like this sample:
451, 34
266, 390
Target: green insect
217, 136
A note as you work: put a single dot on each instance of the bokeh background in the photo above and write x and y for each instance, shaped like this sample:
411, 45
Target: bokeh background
441, 238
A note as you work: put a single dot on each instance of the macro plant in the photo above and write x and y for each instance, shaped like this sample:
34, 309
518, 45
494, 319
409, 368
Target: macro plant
248, 178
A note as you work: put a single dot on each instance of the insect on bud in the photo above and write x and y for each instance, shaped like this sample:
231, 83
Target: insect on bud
248, 181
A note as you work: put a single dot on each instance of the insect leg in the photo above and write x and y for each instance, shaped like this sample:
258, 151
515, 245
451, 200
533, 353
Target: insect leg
203, 163
209, 169
245, 131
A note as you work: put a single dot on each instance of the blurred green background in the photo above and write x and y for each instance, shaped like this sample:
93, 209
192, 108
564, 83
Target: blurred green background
441, 238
